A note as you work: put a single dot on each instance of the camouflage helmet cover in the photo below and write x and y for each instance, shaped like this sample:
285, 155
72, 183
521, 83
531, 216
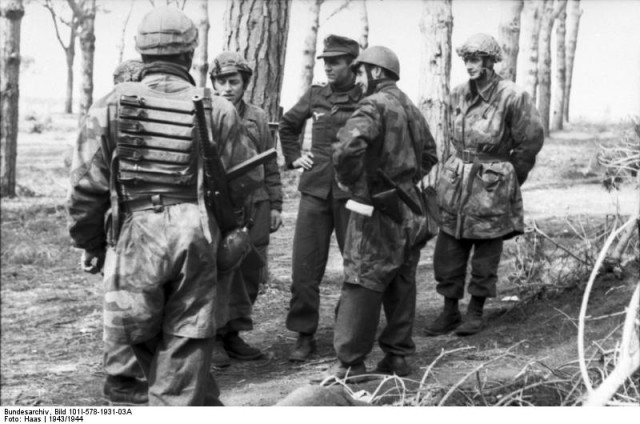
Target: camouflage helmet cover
128, 71
228, 63
380, 56
480, 45
166, 31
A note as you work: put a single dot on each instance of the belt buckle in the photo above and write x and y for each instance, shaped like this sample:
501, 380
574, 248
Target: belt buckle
467, 156
156, 201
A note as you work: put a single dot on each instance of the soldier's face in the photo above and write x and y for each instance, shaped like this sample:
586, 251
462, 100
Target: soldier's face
362, 79
337, 70
475, 67
230, 87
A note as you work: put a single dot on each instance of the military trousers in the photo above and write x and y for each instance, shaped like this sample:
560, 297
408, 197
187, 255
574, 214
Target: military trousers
358, 316
177, 369
450, 260
317, 220
245, 282
120, 361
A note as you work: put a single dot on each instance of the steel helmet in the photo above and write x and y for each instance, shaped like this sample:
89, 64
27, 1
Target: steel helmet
233, 248
481, 45
227, 63
166, 31
380, 56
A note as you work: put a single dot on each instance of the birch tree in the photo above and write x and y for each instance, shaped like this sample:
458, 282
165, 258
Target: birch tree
364, 25
436, 24
121, 43
258, 30
201, 59
532, 15
561, 67
509, 38
573, 23
544, 64
11, 13
310, 43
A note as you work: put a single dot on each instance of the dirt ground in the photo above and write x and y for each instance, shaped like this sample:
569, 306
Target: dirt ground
52, 320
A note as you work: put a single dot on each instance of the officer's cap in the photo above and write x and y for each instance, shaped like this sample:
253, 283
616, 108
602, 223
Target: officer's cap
336, 45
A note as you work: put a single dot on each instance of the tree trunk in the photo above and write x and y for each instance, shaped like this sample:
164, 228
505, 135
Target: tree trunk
433, 87
11, 13
258, 30
310, 44
364, 25
70, 55
509, 39
201, 60
573, 22
561, 67
533, 14
87, 46
544, 65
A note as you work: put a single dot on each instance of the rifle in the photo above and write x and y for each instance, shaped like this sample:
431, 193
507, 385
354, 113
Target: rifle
216, 180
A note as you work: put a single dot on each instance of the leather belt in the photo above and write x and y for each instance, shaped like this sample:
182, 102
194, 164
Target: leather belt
470, 156
155, 202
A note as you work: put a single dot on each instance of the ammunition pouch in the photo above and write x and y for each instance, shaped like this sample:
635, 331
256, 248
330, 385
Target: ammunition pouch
155, 138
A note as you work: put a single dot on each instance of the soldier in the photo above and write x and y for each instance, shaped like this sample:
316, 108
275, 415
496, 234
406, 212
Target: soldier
230, 74
497, 134
322, 203
385, 143
125, 380
137, 155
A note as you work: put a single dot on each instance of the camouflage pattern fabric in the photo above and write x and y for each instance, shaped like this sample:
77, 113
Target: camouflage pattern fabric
329, 110
128, 71
377, 136
158, 276
501, 122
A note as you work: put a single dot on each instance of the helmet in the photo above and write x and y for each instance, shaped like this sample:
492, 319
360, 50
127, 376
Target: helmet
233, 248
127, 71
166, 31
481, 45
380, 56
227, 63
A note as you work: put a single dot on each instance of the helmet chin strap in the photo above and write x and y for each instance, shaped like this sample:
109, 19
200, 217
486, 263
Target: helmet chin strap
372, 83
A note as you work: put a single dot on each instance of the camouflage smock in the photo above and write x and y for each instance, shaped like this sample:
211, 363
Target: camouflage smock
497, 134
158, 273
329, 109
256, 125
378, 136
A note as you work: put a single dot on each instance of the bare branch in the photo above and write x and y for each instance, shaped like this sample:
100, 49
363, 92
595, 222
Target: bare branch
338, 9
54, 17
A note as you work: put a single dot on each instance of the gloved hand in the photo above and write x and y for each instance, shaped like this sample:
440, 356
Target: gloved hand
92, 261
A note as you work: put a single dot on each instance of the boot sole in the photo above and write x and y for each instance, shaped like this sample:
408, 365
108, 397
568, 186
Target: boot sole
431, 333
245, 357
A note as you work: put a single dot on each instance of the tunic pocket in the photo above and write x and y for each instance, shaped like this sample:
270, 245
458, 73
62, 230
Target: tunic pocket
448, 187
491, 192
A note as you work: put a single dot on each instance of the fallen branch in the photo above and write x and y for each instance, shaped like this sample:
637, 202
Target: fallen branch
585, 301
629, 356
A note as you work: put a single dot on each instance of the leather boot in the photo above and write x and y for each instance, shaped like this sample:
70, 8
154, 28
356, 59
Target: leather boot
219, 357
473, 322
239, 349
305, 346
126, 390
393, 364
447, 321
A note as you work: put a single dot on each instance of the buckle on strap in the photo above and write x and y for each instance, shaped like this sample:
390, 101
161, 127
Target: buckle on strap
156, 201
467, 155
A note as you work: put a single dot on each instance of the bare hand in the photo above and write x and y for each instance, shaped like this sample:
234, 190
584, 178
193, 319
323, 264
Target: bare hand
276, 220
305, 161
92, 261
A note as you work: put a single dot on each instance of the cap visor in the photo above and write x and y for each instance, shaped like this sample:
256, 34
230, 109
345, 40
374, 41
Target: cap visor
333, 54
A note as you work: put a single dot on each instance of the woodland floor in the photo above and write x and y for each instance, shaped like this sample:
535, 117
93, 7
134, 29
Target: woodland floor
51, 318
